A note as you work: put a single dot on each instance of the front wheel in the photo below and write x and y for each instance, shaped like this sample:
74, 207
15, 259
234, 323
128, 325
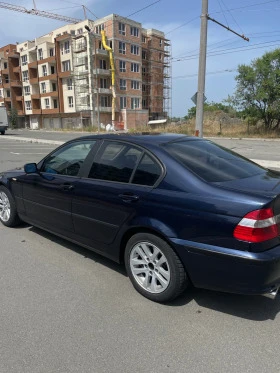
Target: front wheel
8, 211
2, 132
154, 268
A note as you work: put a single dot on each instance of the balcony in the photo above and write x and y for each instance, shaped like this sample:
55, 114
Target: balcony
103, 109
51, 77
64, 74
50, 111
20, 112
37, 111
16, 69
1, 99
5, 71
16, 83
105, 91
6, 85
8, 99
100, 52
50, 59
34, 81
19, 98
36, 96
101, 72
50, 94
32, 65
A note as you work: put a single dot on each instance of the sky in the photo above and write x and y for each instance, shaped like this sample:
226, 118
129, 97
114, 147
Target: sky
180, 21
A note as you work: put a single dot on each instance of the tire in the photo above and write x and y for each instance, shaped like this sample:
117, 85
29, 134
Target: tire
2, 132
154, 268
8, 210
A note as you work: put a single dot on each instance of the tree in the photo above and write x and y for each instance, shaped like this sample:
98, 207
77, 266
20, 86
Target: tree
258, 89
13, 117
210, 106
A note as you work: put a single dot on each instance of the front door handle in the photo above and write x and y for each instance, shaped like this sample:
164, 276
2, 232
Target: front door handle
129, 197
67, 187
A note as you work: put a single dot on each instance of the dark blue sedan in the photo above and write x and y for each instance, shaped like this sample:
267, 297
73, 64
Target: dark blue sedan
177, 210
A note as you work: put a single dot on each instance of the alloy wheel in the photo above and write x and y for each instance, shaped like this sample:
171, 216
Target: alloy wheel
5, 207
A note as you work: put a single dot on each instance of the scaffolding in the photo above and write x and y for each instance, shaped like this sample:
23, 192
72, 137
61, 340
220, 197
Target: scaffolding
83, 77
159, 80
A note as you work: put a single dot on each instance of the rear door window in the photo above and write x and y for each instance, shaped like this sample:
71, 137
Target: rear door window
147, 172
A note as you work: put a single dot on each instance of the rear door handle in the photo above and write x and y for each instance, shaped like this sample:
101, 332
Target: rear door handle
127, 197
67, 187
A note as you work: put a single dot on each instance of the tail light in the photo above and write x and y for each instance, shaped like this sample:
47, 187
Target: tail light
258, 226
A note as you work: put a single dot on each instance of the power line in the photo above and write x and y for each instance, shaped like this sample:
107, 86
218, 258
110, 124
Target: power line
207, 73
233, 50
184, 24
140, 10
249, 6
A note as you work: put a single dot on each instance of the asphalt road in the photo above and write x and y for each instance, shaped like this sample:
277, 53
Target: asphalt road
66, 309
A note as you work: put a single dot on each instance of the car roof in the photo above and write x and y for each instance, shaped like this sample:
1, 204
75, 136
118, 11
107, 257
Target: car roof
143, 137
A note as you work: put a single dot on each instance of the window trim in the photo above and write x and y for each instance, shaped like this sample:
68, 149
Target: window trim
144, 150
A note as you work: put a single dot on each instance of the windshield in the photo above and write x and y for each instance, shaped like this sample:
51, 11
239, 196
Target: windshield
212, 162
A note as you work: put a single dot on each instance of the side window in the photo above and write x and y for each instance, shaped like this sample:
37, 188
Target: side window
69, 159
147, 172
116, 162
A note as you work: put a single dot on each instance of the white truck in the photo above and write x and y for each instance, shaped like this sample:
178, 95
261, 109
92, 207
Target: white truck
3, 120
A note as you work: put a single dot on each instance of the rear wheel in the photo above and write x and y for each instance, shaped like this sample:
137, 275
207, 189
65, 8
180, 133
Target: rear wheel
154, 268
2, 132
8, 211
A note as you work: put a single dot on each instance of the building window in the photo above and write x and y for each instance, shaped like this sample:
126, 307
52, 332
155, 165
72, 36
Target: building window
123, 84
61, 48
104, 83
52, 70
121, 47
51, 52
66, 65
123, 102
99, 28
144, 104
69, 84
143, 87
26, 90
122, 66
1, 93
79, 31
102, 64
6, 64
144, 39
55, 104
23, 61
8, 93
25, 76
160, 56
135, 84
144, 55
134, 49
105, 101
67, 47
43, 87
28, 105
70, 101
44, 70
160, 42
40, 54
135, 103
135, 67
54, 87
47, 103
144, 71
121, 28
134, 31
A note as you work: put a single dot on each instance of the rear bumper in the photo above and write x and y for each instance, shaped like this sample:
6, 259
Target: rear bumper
228, 270
3, 128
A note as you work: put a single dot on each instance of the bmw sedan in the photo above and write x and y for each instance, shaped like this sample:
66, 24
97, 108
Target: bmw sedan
177, 210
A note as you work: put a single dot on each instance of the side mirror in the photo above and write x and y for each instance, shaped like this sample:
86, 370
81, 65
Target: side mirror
30, 168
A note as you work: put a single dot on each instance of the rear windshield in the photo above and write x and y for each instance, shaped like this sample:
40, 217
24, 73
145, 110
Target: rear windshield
212, 162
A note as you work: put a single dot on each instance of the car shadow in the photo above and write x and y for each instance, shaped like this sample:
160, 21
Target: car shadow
257, 308
251, 307
86, 253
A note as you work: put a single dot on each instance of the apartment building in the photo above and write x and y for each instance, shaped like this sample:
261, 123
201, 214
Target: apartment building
64, 79
10, 81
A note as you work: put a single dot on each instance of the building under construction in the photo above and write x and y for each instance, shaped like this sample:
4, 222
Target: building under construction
71, 78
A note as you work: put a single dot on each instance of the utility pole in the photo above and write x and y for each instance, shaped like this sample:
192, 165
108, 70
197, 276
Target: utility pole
201, 70
200, 97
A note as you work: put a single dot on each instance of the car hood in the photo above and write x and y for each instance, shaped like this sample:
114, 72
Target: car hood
11, 173
268, 181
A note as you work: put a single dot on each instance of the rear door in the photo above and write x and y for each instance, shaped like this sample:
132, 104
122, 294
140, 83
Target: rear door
113, 191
